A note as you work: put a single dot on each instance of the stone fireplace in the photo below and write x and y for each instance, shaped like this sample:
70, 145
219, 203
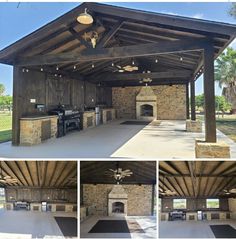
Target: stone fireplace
117, 201
146, 104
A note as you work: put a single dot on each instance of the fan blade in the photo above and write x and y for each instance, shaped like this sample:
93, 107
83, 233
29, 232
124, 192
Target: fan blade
119, 66
7, 177
2, 181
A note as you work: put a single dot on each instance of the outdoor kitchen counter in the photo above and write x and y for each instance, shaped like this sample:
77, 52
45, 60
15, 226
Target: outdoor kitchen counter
108, 114
89, 119
35, 129
38, 117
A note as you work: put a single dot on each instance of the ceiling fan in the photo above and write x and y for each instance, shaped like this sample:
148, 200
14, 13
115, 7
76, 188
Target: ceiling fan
125, 68
165, 191
229, 191
6, 179
146, 80
118, 174
72, 179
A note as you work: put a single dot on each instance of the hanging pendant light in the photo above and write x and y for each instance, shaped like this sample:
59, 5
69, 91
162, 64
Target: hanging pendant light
85, 18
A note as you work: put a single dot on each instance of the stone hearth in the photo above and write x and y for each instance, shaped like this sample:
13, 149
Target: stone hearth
146, 104
117, 202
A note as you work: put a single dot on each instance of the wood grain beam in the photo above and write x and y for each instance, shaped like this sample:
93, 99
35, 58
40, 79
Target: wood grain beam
138, 76
164, 19
113, 53
104, 41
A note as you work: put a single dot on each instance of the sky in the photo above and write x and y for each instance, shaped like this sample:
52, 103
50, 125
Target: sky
18, 20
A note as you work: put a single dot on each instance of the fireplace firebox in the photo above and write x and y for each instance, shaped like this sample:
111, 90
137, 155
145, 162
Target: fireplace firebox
118, 207
117, 201
146, 110
146, 104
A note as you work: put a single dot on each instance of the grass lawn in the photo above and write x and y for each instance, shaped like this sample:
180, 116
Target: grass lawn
226, 125
5, 126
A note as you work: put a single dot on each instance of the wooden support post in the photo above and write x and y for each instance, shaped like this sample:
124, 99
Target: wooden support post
193, 112
209, 95
153, 199
16, 114
187, 101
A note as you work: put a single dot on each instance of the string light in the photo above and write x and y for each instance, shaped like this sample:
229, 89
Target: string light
112, 64
55, 75
156, 60
23, 69
41, 69
57, 68
27, 70
181, 58
74, 67
93, 66
133, 62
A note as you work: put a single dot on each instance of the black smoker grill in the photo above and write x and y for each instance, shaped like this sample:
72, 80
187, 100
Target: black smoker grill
68, 119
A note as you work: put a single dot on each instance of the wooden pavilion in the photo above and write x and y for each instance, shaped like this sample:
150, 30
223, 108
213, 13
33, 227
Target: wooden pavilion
171, 50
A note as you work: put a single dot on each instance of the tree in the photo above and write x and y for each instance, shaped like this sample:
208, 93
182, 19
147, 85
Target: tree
225, 74
232, 11
199, 101
221, 104
2, 89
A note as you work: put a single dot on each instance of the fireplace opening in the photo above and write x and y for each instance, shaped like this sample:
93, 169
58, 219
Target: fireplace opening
118, 207
146, 110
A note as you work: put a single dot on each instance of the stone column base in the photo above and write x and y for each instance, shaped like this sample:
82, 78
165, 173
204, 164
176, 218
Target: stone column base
211, 150
194, 126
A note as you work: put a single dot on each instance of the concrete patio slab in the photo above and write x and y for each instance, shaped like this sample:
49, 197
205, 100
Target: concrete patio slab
168, 140
148, 224
29, 224
190, 229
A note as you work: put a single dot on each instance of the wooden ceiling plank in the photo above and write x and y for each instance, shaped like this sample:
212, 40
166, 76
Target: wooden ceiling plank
189, 164
13, 173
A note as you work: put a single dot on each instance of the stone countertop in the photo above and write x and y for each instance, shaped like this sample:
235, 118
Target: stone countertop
204, 211
89, 111
108, 108
48, 202
38, 117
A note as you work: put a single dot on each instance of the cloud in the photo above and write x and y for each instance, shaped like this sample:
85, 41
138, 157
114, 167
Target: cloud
198, 15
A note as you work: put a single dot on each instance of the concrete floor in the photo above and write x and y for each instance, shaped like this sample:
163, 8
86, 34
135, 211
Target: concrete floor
30, 224
148, 224
168, 140
190, 229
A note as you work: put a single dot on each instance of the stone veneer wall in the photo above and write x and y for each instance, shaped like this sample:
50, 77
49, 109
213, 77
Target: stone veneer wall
30, 130
171, 101
139, 198
232, 207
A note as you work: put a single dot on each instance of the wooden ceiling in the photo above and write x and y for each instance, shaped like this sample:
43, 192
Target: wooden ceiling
124, 35
94, 172
197, 179
53, 174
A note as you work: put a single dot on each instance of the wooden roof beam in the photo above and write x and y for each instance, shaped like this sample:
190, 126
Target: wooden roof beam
113, 53
104, 41
164, 19
138, 76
